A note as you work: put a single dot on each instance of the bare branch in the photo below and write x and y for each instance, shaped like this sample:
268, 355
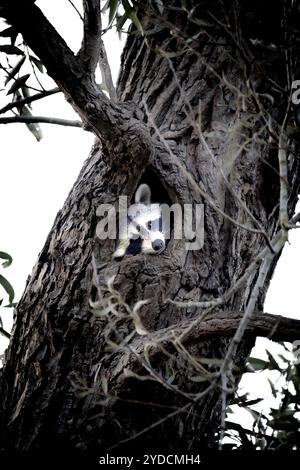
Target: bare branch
76, 9
106, 72
224, 324
270, 326
90, 48
38, 119
30, 99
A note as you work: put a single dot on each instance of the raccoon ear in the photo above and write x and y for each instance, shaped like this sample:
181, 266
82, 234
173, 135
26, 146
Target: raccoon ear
143, 195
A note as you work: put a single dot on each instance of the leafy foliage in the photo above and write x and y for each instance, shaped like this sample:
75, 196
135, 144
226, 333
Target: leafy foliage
21, 77
279, 428
129, 13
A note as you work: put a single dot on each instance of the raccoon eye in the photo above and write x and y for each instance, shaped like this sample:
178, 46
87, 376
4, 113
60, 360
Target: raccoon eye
149, 225
138, 227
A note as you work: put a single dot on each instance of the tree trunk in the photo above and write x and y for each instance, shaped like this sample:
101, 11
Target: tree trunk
69, 374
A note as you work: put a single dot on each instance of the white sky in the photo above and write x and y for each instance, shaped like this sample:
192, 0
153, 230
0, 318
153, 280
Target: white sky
35, 179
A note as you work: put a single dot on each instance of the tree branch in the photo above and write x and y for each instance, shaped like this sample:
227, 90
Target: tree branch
30, 99
215, 325
225, 324
38, 119
129, 358
90, 48
106, 72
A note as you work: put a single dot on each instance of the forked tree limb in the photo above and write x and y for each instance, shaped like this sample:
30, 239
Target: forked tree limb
90, 48
75, 77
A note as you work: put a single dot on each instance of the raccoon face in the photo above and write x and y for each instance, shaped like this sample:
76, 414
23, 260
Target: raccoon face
144, 233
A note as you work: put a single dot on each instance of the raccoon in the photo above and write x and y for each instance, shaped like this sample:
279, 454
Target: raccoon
144, 230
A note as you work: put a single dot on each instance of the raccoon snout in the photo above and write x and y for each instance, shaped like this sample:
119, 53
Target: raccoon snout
158, 244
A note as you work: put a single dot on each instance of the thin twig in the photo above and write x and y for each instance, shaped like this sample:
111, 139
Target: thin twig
33, 69
76, 9
30, 99
37, 119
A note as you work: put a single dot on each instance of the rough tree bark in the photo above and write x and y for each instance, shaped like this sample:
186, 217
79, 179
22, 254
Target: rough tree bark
178, 73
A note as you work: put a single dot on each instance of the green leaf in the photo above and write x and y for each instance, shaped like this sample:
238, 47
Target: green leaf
131, 13
19, 83
15, 70
8, 259
9, 49
258, 364
199, 378
26, 92
273, 364
239, 399
291, 424
34, 127
251, 402
11, 305
121, 20
106, 6
253, 413
136, 22
127, 7
104, 384
8, 288
113, 8
211, 361
273, 389
37, 63
284, 359
8, 32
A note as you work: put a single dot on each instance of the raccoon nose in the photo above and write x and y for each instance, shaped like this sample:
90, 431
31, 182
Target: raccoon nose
158, 244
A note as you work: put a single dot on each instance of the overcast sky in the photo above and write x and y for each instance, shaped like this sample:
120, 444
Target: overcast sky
35, 179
